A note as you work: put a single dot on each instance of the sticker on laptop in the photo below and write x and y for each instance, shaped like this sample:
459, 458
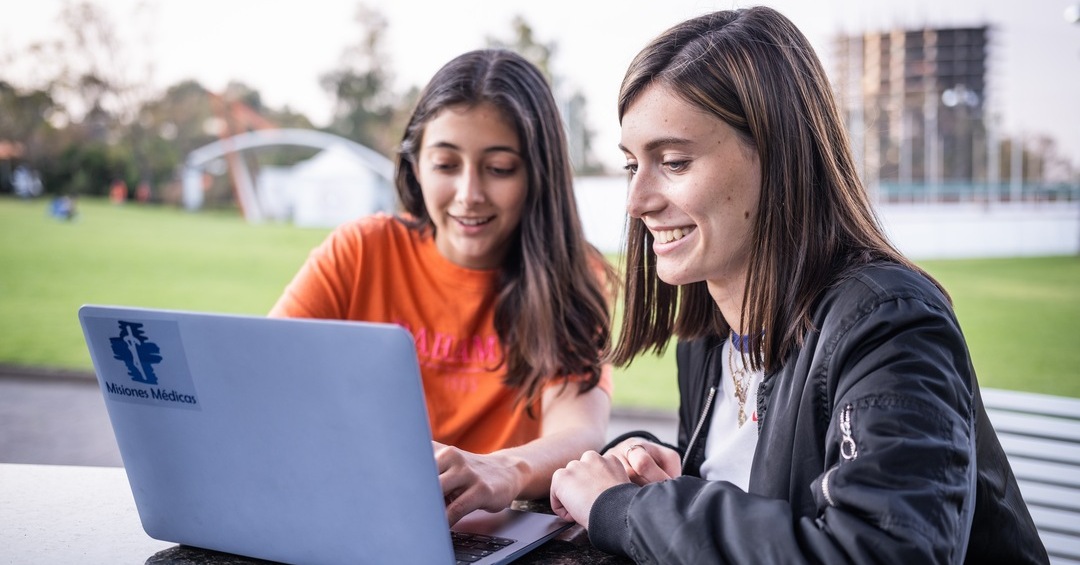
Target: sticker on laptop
143, 361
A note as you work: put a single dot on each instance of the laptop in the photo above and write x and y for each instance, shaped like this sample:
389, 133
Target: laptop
300, 441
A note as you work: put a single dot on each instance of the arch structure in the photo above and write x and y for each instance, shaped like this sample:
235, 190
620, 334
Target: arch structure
228, 148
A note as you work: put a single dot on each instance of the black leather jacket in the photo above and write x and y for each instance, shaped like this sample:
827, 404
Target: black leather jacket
873, 447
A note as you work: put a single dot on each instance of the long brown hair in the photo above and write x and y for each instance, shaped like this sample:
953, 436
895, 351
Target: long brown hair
551, 314
756, 71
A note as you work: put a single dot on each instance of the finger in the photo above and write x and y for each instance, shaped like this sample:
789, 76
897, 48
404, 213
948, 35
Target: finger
453, 478
645, 468
666, 458
629, 451
553, 498
447, 456
670, 461
588, 456
441, 462
621, 447
461, 505
620, 452
563, 485
562, 513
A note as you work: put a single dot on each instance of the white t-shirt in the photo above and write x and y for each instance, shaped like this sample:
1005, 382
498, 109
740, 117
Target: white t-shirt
729, 448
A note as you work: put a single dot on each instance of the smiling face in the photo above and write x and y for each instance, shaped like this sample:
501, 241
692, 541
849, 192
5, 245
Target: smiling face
696, 186
474, 182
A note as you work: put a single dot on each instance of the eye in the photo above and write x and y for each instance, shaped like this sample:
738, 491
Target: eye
502, 171
676, 166
630, 168
443, 166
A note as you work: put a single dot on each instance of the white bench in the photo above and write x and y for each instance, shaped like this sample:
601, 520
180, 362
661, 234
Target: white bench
1041, 438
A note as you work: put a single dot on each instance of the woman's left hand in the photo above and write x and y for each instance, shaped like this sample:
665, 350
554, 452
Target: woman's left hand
575, 488
470, 481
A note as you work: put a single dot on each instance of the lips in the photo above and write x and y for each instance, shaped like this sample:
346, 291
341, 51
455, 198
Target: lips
668, 236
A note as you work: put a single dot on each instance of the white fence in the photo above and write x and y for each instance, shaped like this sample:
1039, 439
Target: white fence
920, 231
954, 231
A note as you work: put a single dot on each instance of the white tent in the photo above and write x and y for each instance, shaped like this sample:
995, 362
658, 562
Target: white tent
334, 186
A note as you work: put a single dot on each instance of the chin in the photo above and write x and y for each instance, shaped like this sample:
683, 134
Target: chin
682, 270
672, 278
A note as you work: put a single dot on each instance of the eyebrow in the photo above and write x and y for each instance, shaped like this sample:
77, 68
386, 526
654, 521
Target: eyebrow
492, 149
661, 142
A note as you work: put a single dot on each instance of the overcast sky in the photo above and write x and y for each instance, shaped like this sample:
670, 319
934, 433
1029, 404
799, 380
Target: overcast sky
281, 47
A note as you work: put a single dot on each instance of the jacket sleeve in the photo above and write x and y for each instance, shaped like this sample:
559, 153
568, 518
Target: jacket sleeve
898, 481
642, 434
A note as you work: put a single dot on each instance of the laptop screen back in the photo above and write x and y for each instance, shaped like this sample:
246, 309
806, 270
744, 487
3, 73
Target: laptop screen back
290, 440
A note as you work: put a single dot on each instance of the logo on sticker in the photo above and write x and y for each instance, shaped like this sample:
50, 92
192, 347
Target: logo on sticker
137, 352
144, 361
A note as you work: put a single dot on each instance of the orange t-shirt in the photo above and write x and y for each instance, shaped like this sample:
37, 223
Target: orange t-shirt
376, 269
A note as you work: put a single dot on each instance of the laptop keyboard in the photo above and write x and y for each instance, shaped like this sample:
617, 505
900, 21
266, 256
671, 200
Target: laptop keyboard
470, 548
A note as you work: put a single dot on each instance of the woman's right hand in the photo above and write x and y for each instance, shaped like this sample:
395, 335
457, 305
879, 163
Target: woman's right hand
647, 462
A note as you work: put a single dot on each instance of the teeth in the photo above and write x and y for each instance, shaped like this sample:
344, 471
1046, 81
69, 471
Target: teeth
667, 236
473, 221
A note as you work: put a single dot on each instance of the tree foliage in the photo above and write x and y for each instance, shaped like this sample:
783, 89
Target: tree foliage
571, 100
524, 42
366, 108
24, 116
84, 114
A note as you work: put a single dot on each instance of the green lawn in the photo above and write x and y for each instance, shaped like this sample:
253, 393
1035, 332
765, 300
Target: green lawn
1021, 316
131, 255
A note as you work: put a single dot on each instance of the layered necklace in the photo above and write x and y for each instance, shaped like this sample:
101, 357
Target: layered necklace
741, 375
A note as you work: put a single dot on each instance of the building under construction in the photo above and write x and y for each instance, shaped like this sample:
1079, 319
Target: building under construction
916, 104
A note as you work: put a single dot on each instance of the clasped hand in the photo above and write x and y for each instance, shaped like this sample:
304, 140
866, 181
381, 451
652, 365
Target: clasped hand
575, 488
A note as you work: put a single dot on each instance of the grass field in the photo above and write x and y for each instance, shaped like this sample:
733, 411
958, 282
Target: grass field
1021, 316
143, 256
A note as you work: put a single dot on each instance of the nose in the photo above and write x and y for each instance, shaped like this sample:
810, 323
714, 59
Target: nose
641, 195
470, 188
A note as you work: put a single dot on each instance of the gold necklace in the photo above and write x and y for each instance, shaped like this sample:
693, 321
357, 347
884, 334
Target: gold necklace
741, 379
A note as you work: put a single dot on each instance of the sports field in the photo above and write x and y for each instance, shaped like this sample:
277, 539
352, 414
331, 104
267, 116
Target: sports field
1021, 316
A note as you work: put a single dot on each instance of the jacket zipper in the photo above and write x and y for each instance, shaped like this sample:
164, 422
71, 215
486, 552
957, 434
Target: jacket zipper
700, 423
848, 450
825, 486
707, 406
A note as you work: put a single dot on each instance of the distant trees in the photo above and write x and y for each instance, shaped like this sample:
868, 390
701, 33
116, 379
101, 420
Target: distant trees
79, 111
24, 118
84, 115
571, 100
366, 108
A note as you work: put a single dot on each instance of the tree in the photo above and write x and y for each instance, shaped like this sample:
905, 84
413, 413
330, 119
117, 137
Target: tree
571, 101
524, 43
24, 115
365, 105
89, 76
172, 125
89, 68
188, 116
85, 112
24, 127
